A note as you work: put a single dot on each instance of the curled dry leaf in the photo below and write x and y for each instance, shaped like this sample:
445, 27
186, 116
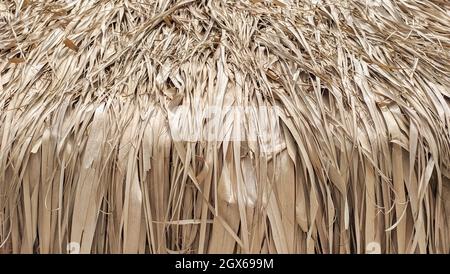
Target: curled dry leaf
16, 60
272, 75
168, 20
70, 44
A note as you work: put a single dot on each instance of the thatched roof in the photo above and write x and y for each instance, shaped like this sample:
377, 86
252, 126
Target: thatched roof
343, 143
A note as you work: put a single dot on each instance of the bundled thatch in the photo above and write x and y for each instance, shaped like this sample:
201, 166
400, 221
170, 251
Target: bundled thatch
329, 131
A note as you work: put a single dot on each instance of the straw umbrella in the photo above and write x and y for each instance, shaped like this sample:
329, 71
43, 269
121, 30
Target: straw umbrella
253, 126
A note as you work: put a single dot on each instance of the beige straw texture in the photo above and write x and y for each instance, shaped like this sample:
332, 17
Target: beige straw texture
343, 145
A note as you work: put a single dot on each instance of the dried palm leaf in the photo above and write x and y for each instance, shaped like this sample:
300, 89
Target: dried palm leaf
205, 126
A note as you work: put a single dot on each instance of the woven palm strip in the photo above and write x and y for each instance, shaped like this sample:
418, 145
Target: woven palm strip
349, 151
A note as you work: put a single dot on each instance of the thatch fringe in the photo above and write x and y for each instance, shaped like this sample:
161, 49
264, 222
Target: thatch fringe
350, 149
